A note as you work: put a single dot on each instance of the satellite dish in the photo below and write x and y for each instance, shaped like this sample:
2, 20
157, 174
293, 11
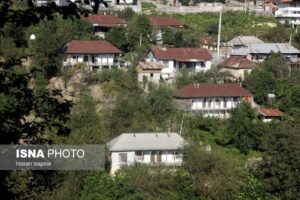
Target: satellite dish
32, 37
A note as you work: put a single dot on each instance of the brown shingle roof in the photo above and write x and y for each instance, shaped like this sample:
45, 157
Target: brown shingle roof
270, 112
238, 62
150, 66
106, 20
181, 54
212, 90
165, 21
90, 46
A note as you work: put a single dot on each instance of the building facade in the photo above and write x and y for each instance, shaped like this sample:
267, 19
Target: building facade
145, 148
95, 54
211, 100
173, 60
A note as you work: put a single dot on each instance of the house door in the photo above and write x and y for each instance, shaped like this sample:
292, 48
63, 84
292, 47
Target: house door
152, 157
93, 59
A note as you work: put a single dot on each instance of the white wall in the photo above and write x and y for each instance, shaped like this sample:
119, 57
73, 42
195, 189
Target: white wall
167, 158
100, 59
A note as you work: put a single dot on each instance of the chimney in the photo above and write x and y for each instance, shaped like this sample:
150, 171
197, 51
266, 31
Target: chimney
169, 131
164, 48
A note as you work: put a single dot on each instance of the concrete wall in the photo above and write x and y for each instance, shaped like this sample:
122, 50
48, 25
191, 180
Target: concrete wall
168, 157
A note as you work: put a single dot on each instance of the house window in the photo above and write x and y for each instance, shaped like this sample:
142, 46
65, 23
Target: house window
151, 75
123, 157
235, 99
202, 64
139, 155
85, 58
209, 103
217, 102
204, 102
74, 56
225, 103
176, 155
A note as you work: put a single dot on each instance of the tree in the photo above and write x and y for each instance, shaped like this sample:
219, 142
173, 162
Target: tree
277, 65
212, 175
160, 102
139, 30
279, 170
117, 36
260, 83
244, 131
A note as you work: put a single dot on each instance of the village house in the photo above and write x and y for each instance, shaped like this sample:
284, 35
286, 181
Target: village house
287, 10
104, 23
166, 62
145, 148
238, 42
210, 99
237, 66
270, 114
160, 22
260, 51
94, 53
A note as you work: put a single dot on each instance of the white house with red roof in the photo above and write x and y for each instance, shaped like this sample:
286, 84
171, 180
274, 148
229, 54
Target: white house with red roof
210, 99
173, 60
104, 23
94, 53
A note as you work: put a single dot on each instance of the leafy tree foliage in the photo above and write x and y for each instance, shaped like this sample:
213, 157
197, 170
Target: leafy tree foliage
277, 65
244, 131
213, 176
279, 169
260, 83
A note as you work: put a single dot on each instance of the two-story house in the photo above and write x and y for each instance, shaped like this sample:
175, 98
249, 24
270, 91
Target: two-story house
94, 53
146, 148
211, 100
173, 60
258, 52
104, 23
160, 22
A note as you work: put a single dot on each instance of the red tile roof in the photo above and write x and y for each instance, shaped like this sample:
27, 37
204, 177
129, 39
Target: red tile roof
90, 46
270, 112
106, 20
165, 21
181, 54
212, 90
238, 62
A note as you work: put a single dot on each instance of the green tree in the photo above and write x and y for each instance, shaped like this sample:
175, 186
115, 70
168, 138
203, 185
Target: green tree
117, 36
277, 65
244, 130
260, 83
212, 175
279, 170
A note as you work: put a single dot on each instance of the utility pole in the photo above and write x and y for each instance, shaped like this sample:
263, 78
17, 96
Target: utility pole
219, 37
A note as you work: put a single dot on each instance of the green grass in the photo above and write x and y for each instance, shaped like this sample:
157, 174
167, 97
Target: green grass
233, 24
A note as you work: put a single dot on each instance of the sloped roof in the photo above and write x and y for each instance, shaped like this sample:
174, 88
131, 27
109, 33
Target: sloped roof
90, 46
146, 141
150, 66
244, 40
212, 90
270, 112
266, 48
181, 54
238, 62
105, 20
165, 21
